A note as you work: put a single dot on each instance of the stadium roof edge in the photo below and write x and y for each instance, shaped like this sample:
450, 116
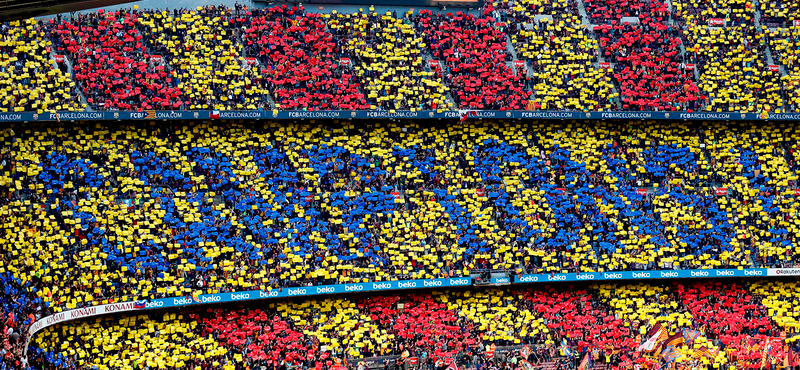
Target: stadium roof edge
16, 10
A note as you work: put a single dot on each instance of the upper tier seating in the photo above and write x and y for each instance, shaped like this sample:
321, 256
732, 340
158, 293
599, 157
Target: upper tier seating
30, 81
205, 57
303, 63
474, 57
387, 57
111, 64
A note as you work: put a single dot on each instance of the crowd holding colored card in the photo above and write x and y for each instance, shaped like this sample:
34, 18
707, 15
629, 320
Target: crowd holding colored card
710, 324
100, 214
304, 65
562, 54
205, 58
30, 82
692, 56
111, 64
474, 55
780, 13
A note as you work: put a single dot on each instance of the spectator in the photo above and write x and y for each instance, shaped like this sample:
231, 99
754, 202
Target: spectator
561, 55
389, 61
30, 82
303, 63
111, 64
733, 75
474, 54
205, 58
649, 68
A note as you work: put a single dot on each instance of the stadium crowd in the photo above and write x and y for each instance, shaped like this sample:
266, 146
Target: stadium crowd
94, 214
703, 325
733, 74
305, 67
205, 56
562, 56
30, 82
784, 43
780, 13
111, 64
388, 57
702, 12
474, 54
511, 55
649, 68
100, 214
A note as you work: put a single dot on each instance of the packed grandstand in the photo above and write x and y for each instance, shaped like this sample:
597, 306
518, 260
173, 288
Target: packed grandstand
593, 55
458, 243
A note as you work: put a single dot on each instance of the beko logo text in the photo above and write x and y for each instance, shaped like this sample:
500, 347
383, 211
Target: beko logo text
272, 293
181, 301
328, 289
154, 304
297, 291
669, 274
459, 281
407, 285
699, 273
353, 288
213, 298
239, 296
612, 276
528, 279
585, 277
752, 273
724, 273
378, 286
641, 274
432, 283
556, 277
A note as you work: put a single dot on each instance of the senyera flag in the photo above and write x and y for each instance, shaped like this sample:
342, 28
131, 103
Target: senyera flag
654, 336
525, 365
586, 364
525, 351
